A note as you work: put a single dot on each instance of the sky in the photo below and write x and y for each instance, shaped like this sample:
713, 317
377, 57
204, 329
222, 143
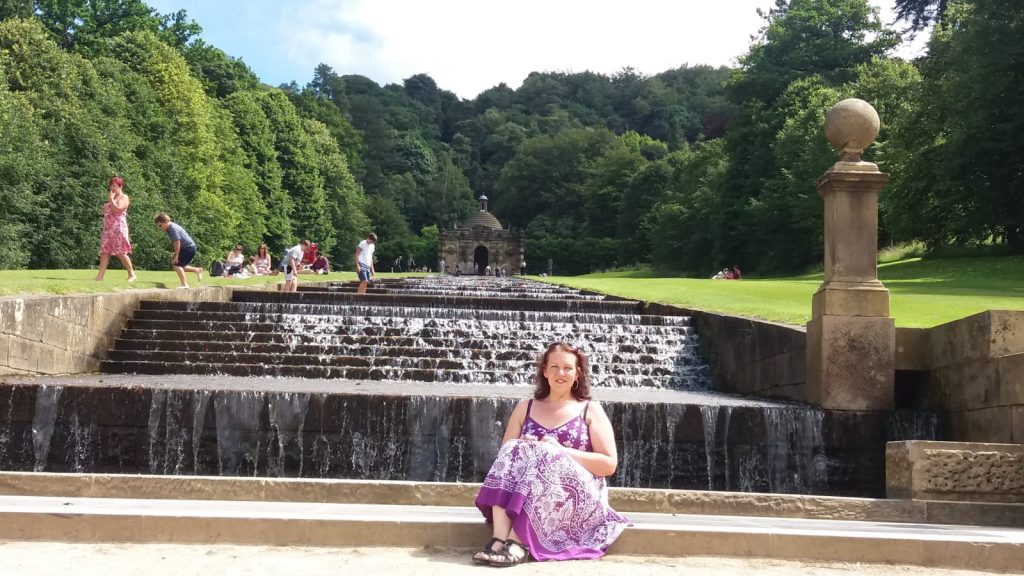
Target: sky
468, 46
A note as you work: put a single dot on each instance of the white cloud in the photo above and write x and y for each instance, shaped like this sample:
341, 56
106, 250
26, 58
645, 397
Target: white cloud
470, 45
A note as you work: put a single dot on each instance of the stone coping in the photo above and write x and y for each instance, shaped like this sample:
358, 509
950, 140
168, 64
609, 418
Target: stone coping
632, 500
288, 523
274, 384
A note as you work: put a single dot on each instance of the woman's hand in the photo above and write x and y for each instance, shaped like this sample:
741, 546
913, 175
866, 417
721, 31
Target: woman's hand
552, 441
543, 439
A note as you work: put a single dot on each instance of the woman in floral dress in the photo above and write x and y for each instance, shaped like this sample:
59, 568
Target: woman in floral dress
545, 493
114, 239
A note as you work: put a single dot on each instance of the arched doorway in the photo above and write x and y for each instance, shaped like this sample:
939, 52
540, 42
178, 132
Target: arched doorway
480, 259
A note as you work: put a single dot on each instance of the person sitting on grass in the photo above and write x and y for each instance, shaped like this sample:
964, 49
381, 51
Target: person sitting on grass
234, 261
183, 248
262, 262
321, 265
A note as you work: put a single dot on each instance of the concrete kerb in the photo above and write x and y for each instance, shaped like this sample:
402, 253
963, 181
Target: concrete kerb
462, 494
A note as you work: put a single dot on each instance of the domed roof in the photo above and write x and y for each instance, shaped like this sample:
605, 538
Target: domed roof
482, 219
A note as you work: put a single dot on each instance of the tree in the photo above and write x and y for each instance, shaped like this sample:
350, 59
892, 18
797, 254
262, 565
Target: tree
345, 200
919, 14
220, 74
963, 176
823, 39
449, 199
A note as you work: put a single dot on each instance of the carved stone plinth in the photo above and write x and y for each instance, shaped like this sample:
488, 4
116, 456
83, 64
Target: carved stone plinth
851, 362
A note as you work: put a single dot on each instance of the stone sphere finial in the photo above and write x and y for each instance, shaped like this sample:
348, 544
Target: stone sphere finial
851, 126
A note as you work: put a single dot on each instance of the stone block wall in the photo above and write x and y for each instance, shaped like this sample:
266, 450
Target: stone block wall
961, 471
750, 356
72, 334
975, 373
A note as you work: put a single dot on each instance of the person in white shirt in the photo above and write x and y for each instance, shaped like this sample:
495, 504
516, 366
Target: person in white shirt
364, 261
290, 266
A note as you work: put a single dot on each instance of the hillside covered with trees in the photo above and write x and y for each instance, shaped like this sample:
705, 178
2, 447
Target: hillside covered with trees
688, 169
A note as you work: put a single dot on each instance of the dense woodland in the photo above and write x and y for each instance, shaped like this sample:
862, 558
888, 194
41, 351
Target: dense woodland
686, 170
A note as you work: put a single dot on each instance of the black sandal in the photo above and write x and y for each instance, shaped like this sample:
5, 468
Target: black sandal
513, 554
488, 552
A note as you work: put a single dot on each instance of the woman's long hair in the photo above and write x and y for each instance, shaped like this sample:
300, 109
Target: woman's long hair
580, 389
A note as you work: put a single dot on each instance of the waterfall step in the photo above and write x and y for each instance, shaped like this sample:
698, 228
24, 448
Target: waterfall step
290, 523
455, 362
637, 344
262, 313
443, 301
184, 344
269, 385
521, 375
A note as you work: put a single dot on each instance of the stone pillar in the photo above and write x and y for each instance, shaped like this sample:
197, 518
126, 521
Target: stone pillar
851, 340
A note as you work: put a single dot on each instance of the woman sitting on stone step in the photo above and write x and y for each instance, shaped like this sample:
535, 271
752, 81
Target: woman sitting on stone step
545, 493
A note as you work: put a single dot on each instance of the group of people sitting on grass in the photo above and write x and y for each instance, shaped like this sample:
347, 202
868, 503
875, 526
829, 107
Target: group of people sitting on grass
235, 264
728, 274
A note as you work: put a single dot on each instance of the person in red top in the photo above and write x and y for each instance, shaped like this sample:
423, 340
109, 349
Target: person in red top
309, 256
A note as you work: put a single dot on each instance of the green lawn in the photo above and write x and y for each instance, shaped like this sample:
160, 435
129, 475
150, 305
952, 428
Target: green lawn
923, 292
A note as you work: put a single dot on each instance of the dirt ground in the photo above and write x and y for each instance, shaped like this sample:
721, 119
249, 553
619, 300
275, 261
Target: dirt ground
46, 558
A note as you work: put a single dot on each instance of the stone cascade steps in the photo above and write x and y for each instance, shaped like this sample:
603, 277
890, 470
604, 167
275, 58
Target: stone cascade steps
465, 335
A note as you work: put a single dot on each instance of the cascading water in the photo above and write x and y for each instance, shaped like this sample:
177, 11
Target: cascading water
238, 439
287, 420
709, 414
415, 381
43, 421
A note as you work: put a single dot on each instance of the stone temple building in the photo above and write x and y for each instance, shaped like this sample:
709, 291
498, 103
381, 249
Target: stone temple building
480, 242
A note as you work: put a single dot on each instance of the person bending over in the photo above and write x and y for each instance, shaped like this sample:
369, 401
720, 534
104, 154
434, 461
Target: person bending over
183, 249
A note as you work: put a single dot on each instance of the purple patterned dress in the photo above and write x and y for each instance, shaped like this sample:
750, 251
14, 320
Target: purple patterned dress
558, 508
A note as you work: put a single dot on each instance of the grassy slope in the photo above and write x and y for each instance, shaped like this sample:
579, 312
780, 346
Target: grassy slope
923, 292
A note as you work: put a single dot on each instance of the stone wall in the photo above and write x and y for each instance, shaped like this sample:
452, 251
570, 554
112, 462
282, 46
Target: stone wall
72, 334
749, 356
973, 369
971, 472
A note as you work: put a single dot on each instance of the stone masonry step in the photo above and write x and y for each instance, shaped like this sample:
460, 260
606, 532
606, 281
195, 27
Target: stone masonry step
508, 332
413, 300
684, 378
626, 343
319, 524
247, 312
284, 358
626, 500
529, 355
